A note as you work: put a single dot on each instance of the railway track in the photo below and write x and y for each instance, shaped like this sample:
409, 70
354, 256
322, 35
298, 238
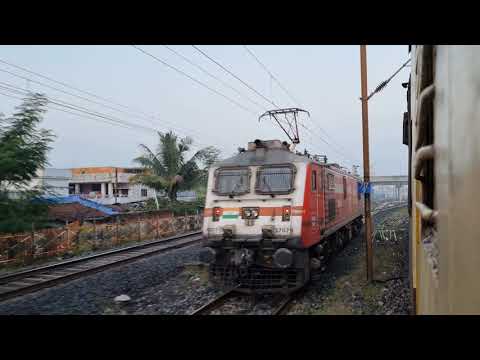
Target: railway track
281, 307
388, 207
31, 280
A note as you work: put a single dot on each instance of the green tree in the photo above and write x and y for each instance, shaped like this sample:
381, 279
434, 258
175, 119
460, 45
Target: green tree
167, 168
23, 151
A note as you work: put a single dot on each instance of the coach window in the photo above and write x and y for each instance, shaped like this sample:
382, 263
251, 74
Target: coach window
344, 187
314, 180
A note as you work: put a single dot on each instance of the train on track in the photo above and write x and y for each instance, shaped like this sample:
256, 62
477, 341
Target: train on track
273, 216
442, 130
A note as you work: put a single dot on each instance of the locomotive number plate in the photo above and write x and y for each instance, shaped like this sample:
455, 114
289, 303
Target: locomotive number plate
282, 230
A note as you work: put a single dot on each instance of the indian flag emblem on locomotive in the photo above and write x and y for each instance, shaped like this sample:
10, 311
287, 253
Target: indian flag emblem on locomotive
230, 214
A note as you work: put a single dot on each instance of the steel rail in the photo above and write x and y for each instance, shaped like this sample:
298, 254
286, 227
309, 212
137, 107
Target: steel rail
31, 280
215, 303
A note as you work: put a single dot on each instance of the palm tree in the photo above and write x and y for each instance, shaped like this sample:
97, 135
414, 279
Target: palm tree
168, 170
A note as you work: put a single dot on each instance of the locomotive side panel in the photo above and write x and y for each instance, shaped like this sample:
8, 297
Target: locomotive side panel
342, 200
314, 211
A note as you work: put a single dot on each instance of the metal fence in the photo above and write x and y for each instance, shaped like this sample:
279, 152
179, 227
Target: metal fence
74, 238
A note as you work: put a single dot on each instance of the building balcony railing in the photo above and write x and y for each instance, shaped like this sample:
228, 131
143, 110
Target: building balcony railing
98, 195
85, 178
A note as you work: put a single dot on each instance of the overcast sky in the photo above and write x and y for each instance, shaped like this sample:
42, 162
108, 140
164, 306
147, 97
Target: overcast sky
325, 80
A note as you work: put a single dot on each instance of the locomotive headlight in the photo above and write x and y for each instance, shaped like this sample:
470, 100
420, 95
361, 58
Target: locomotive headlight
283, 258
286, 212
217, 212
250, 213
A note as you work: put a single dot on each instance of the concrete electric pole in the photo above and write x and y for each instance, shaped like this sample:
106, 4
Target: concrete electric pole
366, 162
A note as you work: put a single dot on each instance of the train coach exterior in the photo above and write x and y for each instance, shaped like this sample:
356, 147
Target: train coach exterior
442, 129
268, 212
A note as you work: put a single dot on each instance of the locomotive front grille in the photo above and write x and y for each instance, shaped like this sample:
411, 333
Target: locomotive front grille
258, 279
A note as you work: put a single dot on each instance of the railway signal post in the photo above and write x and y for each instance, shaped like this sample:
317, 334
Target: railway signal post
366, 162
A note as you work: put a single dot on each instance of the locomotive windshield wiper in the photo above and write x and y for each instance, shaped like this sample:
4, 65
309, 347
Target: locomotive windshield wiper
232, 194
269, 188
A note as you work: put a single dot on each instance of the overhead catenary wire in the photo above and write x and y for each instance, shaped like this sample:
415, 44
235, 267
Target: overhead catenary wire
194, 79
256, 58
335, 148
243, 82
343, 156
235, 76
272, 76
224, 83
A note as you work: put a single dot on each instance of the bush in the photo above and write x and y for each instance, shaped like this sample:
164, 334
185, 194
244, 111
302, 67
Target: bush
177, 207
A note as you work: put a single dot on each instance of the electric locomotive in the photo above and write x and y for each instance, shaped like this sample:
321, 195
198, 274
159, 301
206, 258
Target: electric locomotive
273, 216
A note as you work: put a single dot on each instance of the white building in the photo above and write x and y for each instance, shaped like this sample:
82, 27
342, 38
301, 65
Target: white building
55, 181
104, 185
109, 185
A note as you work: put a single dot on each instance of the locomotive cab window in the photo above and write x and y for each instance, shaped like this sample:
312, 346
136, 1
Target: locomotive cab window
229, 181
275, 179
314, 180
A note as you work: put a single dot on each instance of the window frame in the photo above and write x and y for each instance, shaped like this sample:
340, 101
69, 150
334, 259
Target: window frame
98, 187
333, 187
144, 191
216, 174
283, 165
314, 186
344, 187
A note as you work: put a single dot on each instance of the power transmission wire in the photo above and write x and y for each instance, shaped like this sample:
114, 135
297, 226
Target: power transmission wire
235, 76
61, 83
78, 108
81, 115
49, 105
213, 76
272, 76
83, 110
194, 79
146, 117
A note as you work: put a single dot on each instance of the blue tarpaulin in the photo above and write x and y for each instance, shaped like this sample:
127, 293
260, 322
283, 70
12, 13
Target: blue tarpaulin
78, 199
